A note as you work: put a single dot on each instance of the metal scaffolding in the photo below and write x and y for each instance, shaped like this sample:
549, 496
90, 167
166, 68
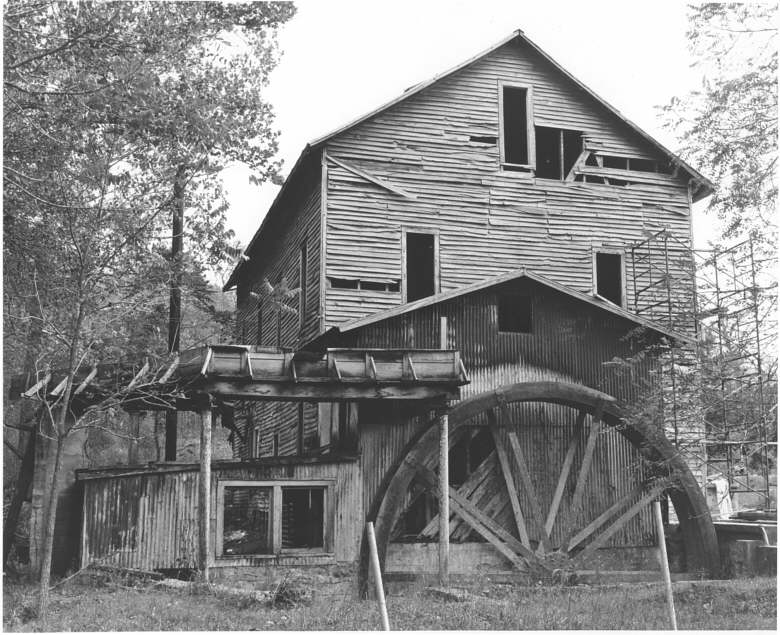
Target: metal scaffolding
726, 386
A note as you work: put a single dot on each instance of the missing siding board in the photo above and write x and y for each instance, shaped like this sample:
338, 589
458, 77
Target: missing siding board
366, 285
514, 314
557, 150
490, 140
609, 277
515, 124
420, 266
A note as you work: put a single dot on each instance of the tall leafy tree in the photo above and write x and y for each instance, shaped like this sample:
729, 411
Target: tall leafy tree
115, 114
728, 127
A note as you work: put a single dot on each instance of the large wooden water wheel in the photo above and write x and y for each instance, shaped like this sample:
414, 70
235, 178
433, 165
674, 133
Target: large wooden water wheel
549, 474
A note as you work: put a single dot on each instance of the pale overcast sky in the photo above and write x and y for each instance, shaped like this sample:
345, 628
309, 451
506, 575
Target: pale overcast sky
342, 58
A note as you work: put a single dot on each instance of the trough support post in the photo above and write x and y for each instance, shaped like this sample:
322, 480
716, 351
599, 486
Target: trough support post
444, 500
204, 489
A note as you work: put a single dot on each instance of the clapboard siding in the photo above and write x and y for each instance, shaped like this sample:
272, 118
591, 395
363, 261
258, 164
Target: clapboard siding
489, 221
281, 259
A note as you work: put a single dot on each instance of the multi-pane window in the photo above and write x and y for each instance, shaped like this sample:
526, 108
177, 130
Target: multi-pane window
264, 518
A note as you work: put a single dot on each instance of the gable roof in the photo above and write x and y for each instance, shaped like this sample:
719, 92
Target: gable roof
593, 300
705, 187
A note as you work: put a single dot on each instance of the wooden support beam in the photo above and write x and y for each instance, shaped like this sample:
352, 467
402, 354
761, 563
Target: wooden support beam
373, 179
204, 491
444, 500
564, 475
620, 522
87, 380
587, 459
530, 490
509, 480
139, 376
59, 388
169, 372
596, 523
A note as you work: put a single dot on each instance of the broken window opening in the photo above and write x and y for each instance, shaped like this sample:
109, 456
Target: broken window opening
393, 286
420, 266
557, 150
514, 313
246, 521
609, 277
514, 123
303, 513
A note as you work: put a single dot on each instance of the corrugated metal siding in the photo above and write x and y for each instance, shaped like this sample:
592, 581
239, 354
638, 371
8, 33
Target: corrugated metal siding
570, 342
489, 221
149, 520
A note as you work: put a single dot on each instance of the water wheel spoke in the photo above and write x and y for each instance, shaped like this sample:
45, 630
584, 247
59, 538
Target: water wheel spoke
565, 471
525, 478
509, 480
469, 487
587, 460
621, 521
489, 529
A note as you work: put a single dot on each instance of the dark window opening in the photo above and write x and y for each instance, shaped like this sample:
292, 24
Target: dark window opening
609, 277
557, 151
514, 314
420, 266
393, 286
515, 125
302, 517
246, 521
342, 283
615, 163
642, 165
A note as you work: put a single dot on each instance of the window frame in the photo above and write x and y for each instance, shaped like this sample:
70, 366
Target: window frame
276, 487
529, 115
595, 279
434, 231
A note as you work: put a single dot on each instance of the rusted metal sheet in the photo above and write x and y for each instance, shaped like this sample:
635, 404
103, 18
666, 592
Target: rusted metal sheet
147, 519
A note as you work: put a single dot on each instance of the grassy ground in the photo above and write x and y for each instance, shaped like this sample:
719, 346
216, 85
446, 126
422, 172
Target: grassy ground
88, 604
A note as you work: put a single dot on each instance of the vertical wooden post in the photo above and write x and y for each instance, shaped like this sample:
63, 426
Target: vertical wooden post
659, 526
204, 490
135, 432
443, 332
444, 500
375, 568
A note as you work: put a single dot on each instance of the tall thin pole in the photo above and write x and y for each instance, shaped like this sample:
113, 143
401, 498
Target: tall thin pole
444, 500
377, 571
204, 490
174, 313
659, 525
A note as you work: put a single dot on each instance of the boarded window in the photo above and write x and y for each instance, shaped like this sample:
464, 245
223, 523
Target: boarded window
302, 517
246, 521
420, 266
514, 313
515, 124
557, 151
609, 277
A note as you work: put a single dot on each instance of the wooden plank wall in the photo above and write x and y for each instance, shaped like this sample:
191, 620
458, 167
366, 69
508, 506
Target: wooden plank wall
489, 221
149, 520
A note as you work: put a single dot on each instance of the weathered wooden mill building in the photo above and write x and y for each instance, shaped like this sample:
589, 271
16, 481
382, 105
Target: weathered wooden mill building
483, 219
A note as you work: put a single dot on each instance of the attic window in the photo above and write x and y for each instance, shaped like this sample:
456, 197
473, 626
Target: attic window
514, 313
515, 117
557, 151
420, 265
393, 286
608, 275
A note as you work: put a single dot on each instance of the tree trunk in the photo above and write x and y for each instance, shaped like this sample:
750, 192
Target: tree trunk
48, 536
174, 314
